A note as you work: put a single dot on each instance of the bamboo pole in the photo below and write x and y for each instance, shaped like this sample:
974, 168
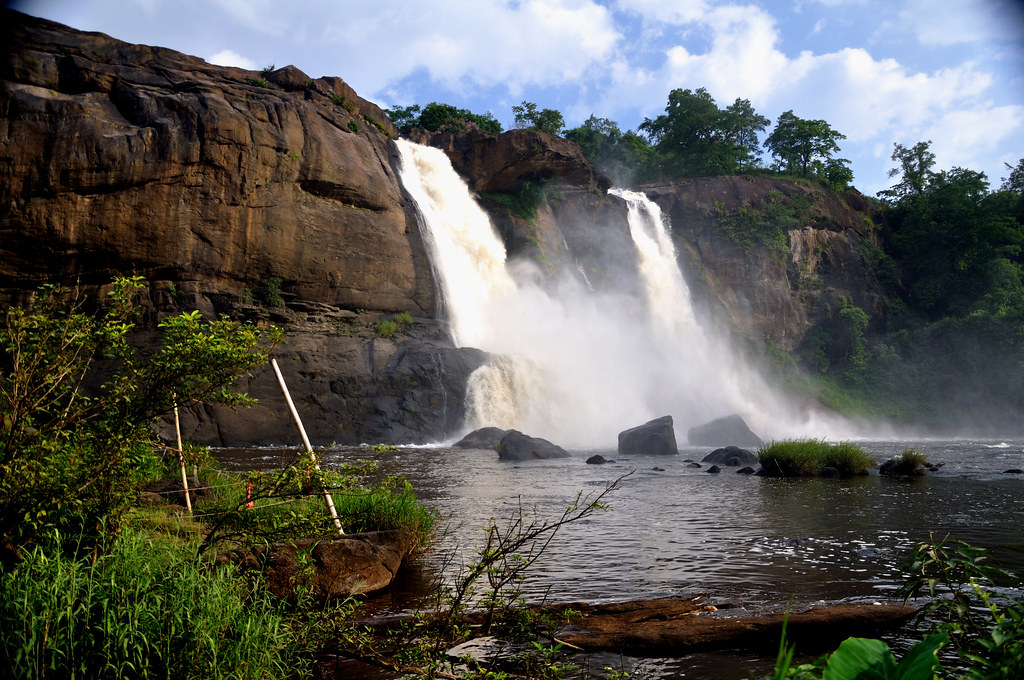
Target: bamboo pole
181, 460
305, 441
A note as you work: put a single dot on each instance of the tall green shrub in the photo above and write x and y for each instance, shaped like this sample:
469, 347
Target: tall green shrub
77, 400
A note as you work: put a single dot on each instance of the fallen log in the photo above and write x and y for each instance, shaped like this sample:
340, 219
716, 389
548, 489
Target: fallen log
668, 627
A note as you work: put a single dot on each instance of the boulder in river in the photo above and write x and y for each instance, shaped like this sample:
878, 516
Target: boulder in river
484, 438
731, 456
727, 431
517, 446
656, 437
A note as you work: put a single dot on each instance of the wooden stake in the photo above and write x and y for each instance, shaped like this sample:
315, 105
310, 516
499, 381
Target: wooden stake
181, 460
305, 441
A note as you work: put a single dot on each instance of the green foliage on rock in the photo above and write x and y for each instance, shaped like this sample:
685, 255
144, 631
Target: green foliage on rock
435, 116
528, 116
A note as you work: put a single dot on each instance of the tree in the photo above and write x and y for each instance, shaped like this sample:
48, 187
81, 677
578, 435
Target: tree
77, 401
916, 165
798, 142
545, 120
695, 138
1015, 182
435, 116
622, 156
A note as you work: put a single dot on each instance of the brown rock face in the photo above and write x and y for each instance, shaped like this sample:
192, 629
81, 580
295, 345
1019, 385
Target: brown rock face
763, 293
128, 158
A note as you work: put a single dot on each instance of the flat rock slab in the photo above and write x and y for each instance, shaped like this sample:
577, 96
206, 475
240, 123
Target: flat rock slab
668, 627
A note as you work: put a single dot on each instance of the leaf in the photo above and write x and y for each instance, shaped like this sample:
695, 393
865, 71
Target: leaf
861, 659
919, 663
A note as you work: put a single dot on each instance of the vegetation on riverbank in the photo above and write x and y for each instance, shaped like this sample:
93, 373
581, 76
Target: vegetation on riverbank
810, 457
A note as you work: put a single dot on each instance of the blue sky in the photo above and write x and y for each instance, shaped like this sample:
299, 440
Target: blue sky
949, 71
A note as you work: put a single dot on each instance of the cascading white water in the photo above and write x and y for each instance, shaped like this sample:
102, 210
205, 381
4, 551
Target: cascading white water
579, 366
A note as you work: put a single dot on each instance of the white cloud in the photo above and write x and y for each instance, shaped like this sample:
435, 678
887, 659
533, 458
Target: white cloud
963, 21
671, 11
969, 137
229, 58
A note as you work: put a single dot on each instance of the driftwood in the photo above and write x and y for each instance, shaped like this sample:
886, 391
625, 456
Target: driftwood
669, 627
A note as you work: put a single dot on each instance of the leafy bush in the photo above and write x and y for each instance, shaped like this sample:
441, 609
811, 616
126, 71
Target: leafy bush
268, 292
808, 457
77, 401
141, 610
353, 126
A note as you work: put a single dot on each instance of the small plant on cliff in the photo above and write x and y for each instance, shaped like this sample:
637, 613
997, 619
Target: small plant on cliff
386, 329
353, 126
258, 82
267, 70
268, 292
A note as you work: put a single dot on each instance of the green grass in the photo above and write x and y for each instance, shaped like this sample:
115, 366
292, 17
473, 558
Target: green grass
908, 463
144, 609
808, 457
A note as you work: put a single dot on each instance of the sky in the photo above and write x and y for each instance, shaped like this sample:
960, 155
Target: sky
879, 72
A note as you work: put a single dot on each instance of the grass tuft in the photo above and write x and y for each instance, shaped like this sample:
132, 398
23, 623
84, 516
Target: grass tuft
810, 457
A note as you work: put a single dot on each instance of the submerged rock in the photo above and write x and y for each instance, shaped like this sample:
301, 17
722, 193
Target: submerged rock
727, 431
731, 456
517, 446
655, 437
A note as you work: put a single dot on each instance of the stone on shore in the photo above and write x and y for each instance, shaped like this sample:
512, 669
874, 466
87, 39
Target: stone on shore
353, 565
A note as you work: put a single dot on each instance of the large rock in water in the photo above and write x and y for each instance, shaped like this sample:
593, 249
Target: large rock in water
517, 446
731, 456
353, 565
656, 437
727, 431
484, 438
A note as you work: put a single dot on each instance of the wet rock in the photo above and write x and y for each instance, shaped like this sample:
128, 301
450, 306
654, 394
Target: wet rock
655, 437
745, 471
517, 446
355, 564
727, 431
829, 472
731, 456
1014, 471
714, 469
694, 465
596, 460
658, 469
484, 438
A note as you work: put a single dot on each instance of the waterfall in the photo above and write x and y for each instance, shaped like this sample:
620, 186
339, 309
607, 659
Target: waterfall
577, 365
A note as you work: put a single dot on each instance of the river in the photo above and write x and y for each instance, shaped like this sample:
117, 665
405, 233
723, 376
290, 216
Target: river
674, 530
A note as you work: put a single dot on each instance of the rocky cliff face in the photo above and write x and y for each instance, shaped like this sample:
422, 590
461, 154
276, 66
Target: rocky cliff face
216, 184
773, 258
274, 196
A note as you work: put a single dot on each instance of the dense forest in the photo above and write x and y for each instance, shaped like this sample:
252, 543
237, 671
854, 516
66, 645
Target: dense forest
948, 352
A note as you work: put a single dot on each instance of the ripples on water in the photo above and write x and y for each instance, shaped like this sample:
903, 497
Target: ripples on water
754, 542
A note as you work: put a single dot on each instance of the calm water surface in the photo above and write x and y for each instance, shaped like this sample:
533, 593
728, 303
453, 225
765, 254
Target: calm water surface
672, 530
